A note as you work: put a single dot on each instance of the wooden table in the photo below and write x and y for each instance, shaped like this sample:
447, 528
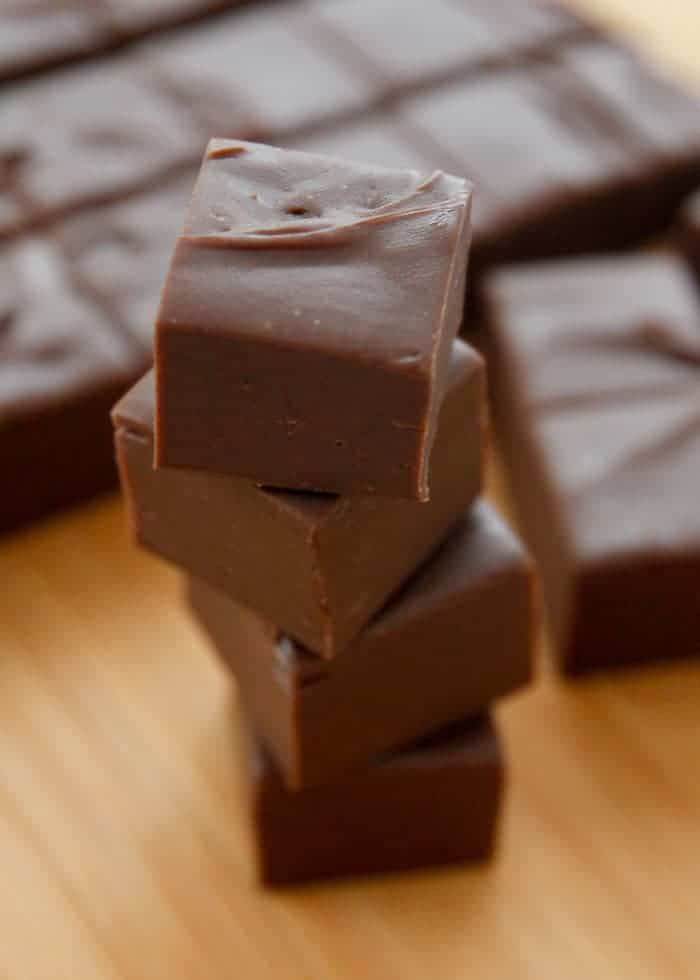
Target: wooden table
123, 852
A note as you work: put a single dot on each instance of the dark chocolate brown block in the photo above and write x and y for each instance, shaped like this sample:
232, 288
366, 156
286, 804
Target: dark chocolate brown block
456, 638
595, 377
261, 73
305, 329
96, 133
436, 803
688, 233
61, 365
413, 43
317, 565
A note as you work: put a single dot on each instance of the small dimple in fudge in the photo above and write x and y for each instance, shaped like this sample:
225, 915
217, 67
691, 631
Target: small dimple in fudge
254, 191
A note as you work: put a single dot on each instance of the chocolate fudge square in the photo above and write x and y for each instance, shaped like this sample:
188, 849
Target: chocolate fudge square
216, 71
62, 363
435, 803
318, 565
86, 135
456, 638
305, 329
595, 382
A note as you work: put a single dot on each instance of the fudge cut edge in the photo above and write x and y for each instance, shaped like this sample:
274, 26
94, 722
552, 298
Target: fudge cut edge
241, 350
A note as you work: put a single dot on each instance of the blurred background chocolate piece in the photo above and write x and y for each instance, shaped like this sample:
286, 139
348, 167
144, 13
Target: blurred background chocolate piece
595, 371
62, 362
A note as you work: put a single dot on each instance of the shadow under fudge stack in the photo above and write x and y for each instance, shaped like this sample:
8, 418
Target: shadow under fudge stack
318, 435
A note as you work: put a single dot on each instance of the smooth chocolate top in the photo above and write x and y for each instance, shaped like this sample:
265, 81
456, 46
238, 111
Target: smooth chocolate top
257, 73
52, 340
688, 231
606, 354
358, 259
97, 132
428, 40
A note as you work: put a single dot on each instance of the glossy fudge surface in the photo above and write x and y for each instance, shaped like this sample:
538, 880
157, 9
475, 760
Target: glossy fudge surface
435, 803
318, 565
457, 637
305, 328
56, 385
595, 377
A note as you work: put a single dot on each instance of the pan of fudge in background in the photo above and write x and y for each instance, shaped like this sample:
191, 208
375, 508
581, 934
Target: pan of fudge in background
121, 105
576, 145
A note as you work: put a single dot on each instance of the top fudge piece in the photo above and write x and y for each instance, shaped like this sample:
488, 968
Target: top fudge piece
306, 324
596, 392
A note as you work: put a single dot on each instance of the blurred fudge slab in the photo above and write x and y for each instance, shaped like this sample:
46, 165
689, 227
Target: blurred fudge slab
37, 34
574, 143
119, 253
285, 553
412, 43
299, 281
688, 231
216, 71
435, 803
133, 18
458, 636
96, 133
596, 390
587, 151
62, 362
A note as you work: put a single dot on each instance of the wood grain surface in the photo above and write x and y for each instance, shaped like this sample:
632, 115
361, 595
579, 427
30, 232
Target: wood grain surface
123, 845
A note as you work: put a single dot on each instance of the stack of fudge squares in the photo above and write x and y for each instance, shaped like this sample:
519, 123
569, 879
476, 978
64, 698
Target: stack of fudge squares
310, 450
